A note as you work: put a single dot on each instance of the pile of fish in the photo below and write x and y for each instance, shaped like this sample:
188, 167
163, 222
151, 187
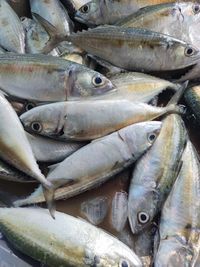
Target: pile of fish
92, 91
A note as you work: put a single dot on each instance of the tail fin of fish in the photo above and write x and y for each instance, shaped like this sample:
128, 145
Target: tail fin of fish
178, 95
172, 104
49, 197
55, 38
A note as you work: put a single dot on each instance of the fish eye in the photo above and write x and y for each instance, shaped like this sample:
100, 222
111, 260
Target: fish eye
23, 18
143, 217
124, 263
29, 106
151, 137
196, 8
97, 81
36, 127
85, 9
189, 51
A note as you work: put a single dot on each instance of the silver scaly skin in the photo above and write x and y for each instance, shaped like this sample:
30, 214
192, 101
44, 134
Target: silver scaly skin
65, 241
98, 161
180, 219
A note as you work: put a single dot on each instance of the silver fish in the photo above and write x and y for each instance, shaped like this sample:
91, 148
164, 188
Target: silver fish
12, 37
180, 220
16, 150
46, 78
65, 241
53, 12
136, 49
103, 158
155, 173
48, 150
99, 12
35, 37
63, 121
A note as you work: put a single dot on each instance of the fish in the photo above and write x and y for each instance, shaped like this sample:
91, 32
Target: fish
35, 37
45, 78
155, 173
100, 12
192, 98
62, 120
180, 20
9, 173
180, 219
98, 161
139, 87
136, 49
54, 12
65, 241
12, 36
49, 150
16, 150
95, 209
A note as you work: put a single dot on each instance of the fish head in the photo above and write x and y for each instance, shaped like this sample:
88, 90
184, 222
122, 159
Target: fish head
115, 254
180, 55
140, 136
172, 252
89, 13
87, 83
142, 206
45, 120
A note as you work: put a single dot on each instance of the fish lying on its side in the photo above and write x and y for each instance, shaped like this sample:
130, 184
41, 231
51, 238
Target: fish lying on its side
16, 150
98, 161
136, 49
100, 12
180, 219
155, 173
12, 37
45, 78
49, 150
65, 241
88, 120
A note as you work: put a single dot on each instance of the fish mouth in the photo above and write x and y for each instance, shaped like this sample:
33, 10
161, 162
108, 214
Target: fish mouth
78, 18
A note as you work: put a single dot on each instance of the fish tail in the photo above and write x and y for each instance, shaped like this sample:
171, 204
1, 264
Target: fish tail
36, 197
49, 197
55, 39
178, 95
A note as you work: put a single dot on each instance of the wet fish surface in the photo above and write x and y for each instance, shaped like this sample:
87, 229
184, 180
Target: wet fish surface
46, 78
136, 49
65, 241
124, 146
179, 227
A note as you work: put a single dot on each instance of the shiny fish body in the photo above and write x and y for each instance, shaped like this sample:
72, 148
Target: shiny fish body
46, 78
98, 161
14, 146
54, 13
36, 37
78, 121
192, 98
136, 49
181, 20
9, 173
49, 150
12, 37
154, 174
65, 241
180, 220
99, 12
135, 86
